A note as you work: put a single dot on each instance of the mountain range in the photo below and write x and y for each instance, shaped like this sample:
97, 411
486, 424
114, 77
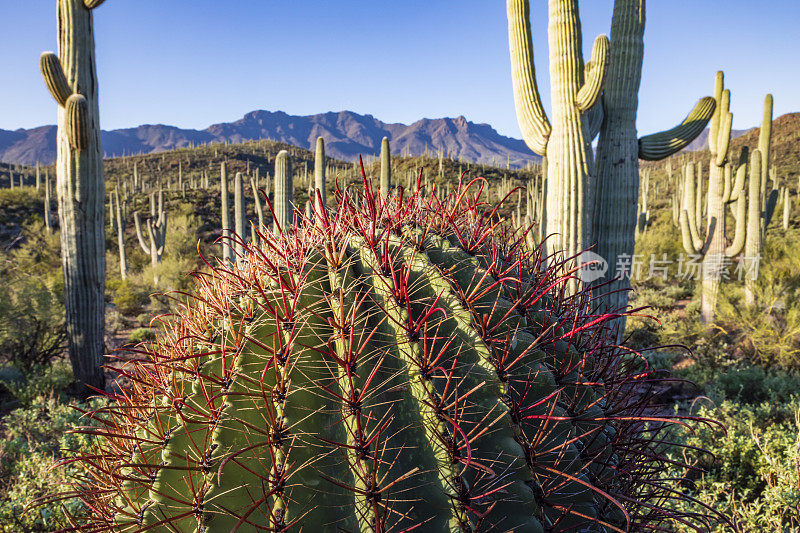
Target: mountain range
347, 135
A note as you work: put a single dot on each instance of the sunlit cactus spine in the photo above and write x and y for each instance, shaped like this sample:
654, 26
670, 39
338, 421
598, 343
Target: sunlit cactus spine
402, 367
386, 167
71, 77
283, 201
156, 239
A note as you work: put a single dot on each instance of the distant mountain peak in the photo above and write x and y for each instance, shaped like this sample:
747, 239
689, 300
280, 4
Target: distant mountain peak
347, 135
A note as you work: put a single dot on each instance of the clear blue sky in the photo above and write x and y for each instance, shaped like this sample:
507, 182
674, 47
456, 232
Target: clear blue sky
192, 63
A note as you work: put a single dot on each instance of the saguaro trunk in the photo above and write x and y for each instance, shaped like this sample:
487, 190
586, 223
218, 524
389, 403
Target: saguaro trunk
72, 80
565, 143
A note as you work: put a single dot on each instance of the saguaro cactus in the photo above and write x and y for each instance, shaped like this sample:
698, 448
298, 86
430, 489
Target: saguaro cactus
319, 174
714, 246
761, 205
119, 219
239, 215
386, 168
71, 78
603, 201
575, 89
227, 252
156, 231
283, 202
47, 205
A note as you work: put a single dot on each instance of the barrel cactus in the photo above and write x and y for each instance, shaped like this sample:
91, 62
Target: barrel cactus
396, 365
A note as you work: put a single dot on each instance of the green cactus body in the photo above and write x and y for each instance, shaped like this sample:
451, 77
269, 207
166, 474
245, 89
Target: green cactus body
381, 372
283, 201
71, 78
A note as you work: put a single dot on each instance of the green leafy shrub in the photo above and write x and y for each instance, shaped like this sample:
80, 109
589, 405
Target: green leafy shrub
130, 298
142, 334
753, 475
31, 309
33, 439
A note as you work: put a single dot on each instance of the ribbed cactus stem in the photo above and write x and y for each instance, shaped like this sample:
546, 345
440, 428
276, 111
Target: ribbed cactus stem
239, 215
47, 205
713, 246
319, 175
787, 209
752, 251
386, 167
71, 78
227, 251
566, 139
119, 220
283, 202
765, 144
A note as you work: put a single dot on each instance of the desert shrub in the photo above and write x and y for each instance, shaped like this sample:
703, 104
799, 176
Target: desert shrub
753, 476
142, 334
33, 439
130, 297
53, 380
31, 309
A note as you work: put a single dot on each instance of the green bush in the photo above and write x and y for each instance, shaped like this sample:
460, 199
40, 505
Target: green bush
130, 298
33, 439
753, 472
142, 334
31, 310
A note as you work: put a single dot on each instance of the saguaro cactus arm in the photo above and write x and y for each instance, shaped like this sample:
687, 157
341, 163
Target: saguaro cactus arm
533, 122
661, 145
54, 78
596, 70
386, 167
77, 124
139, 235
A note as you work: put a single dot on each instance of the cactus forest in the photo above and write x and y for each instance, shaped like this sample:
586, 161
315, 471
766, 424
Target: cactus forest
330, 323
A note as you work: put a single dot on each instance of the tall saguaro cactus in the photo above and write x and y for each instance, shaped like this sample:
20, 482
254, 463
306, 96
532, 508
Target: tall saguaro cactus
591, 204
713, 247
156, 231
575, 88
283, 203
319, 174
619, 148
239, 214
386, 167
227, 253
71, 77
118, 221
